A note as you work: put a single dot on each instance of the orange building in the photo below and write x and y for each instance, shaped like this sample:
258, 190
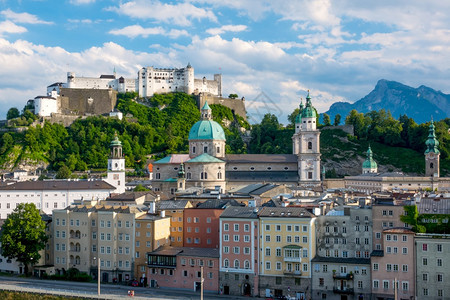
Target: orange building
175, 210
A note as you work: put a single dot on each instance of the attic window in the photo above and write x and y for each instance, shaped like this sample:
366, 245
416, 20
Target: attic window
234, 168
269, 168
252, 168
286, 168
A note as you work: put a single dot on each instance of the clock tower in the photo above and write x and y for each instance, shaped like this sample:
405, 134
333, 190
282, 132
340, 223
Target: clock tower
432, 153
116, 166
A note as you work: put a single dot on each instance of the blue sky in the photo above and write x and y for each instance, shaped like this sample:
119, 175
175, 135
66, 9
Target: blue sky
271, 52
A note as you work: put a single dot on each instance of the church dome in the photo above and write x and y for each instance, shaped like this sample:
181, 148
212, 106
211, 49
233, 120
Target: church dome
369, 163
308, 111
207, 130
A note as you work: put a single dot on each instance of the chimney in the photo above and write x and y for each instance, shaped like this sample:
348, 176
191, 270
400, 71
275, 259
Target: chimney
163, 213
152, 207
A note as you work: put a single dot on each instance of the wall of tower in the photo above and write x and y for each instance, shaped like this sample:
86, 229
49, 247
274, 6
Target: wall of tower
432, 165
215, 148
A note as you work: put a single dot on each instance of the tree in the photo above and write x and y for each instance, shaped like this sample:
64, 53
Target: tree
140, 188
63, 172
326, 120
12, 113
337, 119
23, 235
233, 96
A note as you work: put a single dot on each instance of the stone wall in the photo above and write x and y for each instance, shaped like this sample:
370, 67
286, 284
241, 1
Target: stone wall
345, 128
236, 105
87, 101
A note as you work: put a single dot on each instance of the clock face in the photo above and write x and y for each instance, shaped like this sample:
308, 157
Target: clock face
431, 155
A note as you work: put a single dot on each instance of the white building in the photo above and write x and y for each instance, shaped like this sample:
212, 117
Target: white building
48, 195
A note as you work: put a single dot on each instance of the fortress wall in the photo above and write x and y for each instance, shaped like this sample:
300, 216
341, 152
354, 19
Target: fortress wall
236, 105
87, 101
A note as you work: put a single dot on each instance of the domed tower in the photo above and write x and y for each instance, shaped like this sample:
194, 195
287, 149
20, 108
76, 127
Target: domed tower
432, 153
206, 136
369, 165
116, 166
307, 145
181, 179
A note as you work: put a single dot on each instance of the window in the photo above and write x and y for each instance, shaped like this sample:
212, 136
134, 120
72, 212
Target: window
226, 226
236, 250
376, 284
388, 267
425, 277
267, 238
226, 249
405, 285
424, 261
267, 227
439, 262
360, 284
425, 247
425, 292
267, 265
404, 238
375, 267
246, 250
439, 247
226, 237
385, 284
278, 238
267, 251
236, 227
305, 239
405, 268
278, 265
324, 268
277, 227
278, 252
246, 227
405, 250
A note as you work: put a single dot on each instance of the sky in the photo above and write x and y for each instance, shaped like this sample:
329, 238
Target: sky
270, 52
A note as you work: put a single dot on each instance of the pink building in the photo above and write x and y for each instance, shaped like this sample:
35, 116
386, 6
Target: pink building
201, 224
181, 268
394, 264
239, 251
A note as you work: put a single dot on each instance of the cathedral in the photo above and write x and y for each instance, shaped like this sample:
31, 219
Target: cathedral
208, 166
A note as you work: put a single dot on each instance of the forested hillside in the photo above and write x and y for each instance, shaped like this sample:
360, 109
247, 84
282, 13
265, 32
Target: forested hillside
160, 125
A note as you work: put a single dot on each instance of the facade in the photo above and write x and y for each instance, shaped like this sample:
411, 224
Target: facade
287, 246
341, 268
83, 234
394, 265
208, 166
152, 231
239, 254
175, 210
432, 261
184, 268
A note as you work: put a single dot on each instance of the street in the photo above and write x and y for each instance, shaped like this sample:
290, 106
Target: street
89, 290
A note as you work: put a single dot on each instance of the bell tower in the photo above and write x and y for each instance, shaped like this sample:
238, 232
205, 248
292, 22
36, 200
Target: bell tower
116, 166
307, 145
432, 153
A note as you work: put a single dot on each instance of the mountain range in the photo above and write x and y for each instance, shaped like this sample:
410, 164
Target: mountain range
420, 103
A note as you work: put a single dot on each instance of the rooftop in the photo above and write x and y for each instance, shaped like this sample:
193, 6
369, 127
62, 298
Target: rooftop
285, 212
240, 212
59, 185
186, 251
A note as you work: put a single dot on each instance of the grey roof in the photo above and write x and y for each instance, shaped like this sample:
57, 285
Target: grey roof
260, 176
97, 208
59, 185
341, 260
256, 188
218, 203
240, 212
437, 205
171, 204
260, 158
186, 251
130, 196
285, 212
152, 217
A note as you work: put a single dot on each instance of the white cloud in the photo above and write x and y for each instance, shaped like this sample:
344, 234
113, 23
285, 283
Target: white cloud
10, 27
81, 2
180, 14
134, 31
226, 28
24, 18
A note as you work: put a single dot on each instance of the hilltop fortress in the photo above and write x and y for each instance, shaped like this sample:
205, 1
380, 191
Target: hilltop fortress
82, 96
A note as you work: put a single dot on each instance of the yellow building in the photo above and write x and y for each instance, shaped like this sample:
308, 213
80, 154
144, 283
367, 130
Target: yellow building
287, 245
175, 210
152, 231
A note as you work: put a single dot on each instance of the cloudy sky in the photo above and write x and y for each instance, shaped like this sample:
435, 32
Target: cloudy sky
271, 52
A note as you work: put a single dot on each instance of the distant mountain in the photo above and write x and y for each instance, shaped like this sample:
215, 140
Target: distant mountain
418, 103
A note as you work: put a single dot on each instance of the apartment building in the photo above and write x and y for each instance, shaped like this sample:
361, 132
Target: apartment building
85, 234
175, 210
152, 231
239, 251
184, 268
287, 246
432, 266
341, 268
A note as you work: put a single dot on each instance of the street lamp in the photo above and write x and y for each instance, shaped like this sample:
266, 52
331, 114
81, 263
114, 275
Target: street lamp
98, 276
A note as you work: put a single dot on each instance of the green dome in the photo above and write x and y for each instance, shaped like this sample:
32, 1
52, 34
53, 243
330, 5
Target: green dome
207, 130
308, 111
369, 163
116, 142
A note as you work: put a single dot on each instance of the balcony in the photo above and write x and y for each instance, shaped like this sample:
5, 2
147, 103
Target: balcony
343, 290
348, 276
292, 253
292, 273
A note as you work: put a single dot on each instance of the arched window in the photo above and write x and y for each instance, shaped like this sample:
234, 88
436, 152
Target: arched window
226, 263
431, 165
203, 175
193, 149
219, 175
246, 264
218, 150
236, 264
188, 175
309, 145
205, 149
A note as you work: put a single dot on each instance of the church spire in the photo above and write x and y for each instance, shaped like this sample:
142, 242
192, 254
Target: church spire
432, 143
206, 112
